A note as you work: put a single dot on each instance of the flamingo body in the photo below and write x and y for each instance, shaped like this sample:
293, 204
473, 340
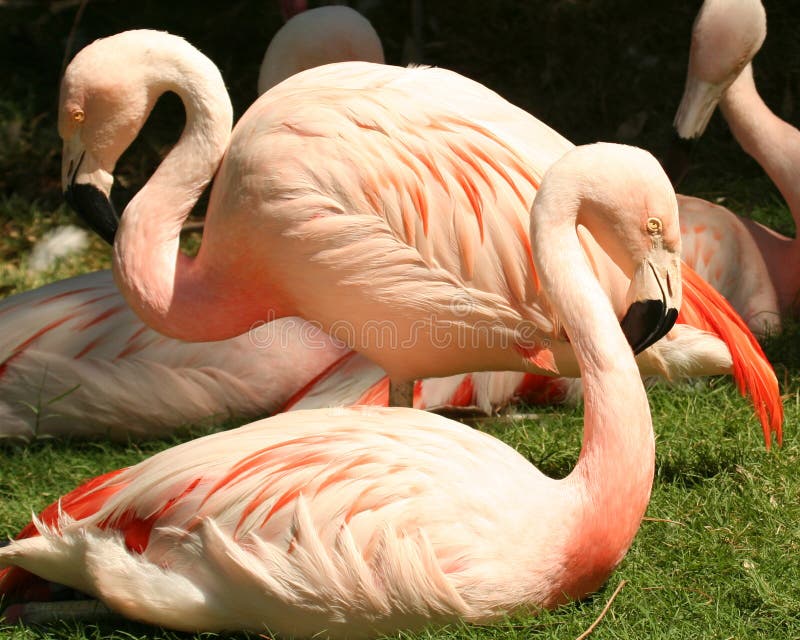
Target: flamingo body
76, 361
720, 248
350, 523
725, 38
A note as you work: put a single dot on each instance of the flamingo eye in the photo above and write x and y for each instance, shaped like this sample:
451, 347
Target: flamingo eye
78, 116
654, 226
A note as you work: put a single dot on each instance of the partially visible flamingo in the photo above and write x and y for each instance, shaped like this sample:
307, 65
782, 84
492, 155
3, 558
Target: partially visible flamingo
352, 523
719, 245
725, 36
417, 216
75, 361
315, 37
757, 269
775, 145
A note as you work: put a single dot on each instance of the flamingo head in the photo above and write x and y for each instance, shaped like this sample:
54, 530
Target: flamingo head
107, 94
726, 36
625, 201
99, 116
648, 250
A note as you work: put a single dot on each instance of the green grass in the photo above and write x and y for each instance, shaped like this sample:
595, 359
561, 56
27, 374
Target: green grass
718, 556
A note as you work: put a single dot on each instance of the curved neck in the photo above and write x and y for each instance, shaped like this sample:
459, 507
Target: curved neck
773, 143
615, 468
168, 290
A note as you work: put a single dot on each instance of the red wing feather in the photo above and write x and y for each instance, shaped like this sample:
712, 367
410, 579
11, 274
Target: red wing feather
703, 307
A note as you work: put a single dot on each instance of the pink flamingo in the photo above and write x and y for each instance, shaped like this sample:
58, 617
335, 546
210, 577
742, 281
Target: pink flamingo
756, 268
315, 37
725, 36
362, 521
74, 360
418, 221
775, 145
77, 362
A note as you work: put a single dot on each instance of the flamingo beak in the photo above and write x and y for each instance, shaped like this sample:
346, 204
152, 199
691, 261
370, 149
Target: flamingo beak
654, 309
87, 188
697, 105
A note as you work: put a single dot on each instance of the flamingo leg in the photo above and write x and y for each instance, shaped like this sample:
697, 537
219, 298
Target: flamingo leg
48, 612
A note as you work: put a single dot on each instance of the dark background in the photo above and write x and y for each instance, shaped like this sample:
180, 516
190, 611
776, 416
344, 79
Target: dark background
592, 69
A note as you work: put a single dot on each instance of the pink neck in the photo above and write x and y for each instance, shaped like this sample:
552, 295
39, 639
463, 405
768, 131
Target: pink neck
775, 145
615, 469
178, 296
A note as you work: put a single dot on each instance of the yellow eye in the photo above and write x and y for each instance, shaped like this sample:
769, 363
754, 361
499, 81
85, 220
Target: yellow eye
654, 225
78, 115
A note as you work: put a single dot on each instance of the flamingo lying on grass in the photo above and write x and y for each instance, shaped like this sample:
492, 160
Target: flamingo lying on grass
351, 523
77, 362
415, 223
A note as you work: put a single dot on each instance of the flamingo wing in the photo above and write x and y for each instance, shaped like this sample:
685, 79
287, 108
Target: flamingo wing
74, 360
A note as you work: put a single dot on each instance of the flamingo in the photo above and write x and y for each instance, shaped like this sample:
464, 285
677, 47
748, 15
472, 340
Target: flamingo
356, 522
726, 35
315, 37
719, 245
415, 223
775, 145
756, 268
74, 360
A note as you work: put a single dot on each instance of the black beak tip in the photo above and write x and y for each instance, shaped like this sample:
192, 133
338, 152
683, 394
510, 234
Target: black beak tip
646, 322
94, 208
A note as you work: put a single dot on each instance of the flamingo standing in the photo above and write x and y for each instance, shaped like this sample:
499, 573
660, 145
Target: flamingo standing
351, 523
415, 223
74, 360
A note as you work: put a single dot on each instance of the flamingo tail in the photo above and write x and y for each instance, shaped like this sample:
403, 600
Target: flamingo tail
19, 585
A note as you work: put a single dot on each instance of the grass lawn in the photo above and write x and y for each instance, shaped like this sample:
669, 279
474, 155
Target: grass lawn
719, 553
